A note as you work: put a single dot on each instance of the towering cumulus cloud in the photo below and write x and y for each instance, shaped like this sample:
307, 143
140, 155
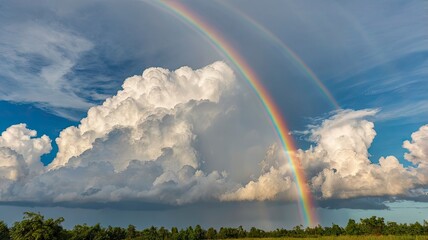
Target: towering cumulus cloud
338, 166
138, 145
342, 144
154, 111
148, 144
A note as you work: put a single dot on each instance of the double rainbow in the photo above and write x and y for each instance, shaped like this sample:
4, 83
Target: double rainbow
305, 201
286, 51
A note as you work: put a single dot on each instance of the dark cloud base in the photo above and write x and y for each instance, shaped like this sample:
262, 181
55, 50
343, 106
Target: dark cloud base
366, 203
122, 205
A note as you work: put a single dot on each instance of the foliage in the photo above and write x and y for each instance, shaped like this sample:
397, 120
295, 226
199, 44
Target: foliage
34, 226
4, 231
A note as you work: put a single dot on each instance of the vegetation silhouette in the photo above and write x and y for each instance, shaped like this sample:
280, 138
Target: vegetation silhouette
35, 226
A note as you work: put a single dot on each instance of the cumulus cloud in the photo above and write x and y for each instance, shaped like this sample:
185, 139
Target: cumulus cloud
138, 145
275, 181
148, 144
156, 110
20, 152
342, 144
418, 147
338, 165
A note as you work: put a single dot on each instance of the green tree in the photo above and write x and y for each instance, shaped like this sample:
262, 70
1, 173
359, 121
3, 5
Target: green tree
163, 233
425, 227
298, 231
4, 231
99, 233
352, 228
318, 230
131, 232
190, 233
227, 232
183, 235
198, 233
115, 233
85, 232
336, 230
279, 233
211, 233
255, 233
34, 226
392, 228
403, 229
150, 233
222, 233
416, 229
81, 232
241, 232
174, 233
374, 225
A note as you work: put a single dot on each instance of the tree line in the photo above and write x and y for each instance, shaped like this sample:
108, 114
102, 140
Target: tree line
35, 226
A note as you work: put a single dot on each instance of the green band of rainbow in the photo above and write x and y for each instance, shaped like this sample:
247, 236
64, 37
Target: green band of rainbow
305, 198
286, 51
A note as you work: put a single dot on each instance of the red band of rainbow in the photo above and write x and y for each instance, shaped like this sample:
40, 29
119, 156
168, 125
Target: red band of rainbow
305, 197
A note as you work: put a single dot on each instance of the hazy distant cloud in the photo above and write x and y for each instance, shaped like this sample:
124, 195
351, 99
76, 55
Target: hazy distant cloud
36, 63
275, 181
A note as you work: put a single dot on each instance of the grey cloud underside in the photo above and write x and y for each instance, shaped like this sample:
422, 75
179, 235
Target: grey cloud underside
150, 146
355, 203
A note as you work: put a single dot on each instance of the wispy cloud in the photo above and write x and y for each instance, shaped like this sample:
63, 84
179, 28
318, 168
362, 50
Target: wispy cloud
37, 62
407, 111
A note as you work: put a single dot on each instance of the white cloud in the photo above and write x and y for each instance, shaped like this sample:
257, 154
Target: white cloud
338, 166
12, 165
342, 144
137, 145
405, 111
155, 111
146, 144
275, 181
21, 151
418, 147
36, 63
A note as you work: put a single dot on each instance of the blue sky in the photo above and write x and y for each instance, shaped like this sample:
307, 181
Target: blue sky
59, 60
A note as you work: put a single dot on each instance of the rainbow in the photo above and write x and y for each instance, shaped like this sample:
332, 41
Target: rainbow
286, 51
306, 203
